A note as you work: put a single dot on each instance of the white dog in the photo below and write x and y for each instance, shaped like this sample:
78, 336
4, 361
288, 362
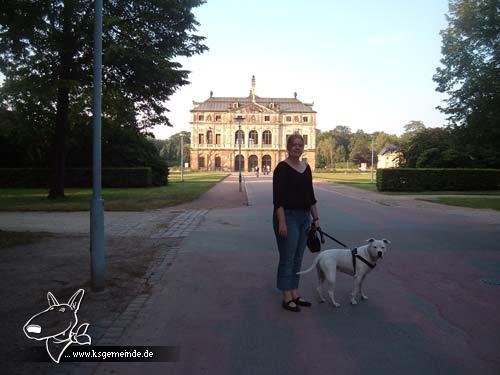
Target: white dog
357, 262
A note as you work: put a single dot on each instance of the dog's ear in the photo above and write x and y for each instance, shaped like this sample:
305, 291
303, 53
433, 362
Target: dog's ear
75, 300
370, 240
52, 300
386, 241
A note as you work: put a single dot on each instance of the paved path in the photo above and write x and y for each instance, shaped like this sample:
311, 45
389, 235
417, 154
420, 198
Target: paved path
410, 201
175, 221
213, 291
158, 223
431, 308
139, 249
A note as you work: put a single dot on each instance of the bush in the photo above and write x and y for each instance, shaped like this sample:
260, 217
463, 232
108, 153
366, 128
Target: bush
75, 177
159, 172
416, 179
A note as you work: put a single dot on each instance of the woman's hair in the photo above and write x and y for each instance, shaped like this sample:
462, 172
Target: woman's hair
292, 138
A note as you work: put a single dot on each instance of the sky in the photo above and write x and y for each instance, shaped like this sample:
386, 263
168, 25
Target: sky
366, 64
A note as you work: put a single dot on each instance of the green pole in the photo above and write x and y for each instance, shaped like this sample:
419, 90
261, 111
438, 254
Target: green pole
97, 210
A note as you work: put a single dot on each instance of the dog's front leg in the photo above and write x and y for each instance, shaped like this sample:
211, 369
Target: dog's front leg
319, 289
332, 299
355, 289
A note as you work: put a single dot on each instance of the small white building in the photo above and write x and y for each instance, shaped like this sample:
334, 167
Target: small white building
389, 157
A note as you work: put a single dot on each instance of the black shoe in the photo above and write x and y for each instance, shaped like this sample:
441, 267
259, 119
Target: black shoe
299, 301
286, 306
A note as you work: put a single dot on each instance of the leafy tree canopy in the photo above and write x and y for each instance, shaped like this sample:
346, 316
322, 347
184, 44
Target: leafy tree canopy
40, 39
470, 75
46, 55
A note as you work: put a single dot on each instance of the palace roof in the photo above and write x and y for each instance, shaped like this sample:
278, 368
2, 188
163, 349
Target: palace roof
224, 104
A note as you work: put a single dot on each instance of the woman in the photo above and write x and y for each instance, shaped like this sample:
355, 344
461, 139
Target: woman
294, 203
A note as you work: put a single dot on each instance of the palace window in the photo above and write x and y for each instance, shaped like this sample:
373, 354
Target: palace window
267, 118
201, 138
210, 137
288, 118
266, 137
201, 118
305, 119
239, 136
218, 118
209, 118
305, 139
253, 137
217, 139
296, 118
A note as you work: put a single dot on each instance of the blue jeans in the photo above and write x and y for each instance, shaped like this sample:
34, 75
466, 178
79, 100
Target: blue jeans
291, 248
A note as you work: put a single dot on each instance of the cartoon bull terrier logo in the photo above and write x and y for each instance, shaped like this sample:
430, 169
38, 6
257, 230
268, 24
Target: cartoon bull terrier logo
58, 326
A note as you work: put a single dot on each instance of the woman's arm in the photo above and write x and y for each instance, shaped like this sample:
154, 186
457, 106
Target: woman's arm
280, 215
315, 216
279, 188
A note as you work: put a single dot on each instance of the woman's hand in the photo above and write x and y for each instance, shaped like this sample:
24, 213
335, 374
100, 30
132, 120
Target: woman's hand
316, 223
282, 229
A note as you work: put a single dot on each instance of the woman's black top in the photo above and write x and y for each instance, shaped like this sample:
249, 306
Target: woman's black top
292, 189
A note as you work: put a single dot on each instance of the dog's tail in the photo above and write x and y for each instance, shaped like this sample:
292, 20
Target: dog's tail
315, 262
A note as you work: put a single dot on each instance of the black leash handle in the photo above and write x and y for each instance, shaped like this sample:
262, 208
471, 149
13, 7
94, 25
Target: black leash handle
330, 237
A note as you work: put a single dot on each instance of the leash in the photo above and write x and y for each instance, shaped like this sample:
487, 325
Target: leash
354, 251
330, 237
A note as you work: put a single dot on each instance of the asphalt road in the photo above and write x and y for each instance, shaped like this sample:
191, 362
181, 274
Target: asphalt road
433, 308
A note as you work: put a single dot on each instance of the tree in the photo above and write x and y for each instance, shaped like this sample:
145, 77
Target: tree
361, 147
414, 127
470, 75
343, 139
46, 55
432, 148
325, 152
383, 139
171, 151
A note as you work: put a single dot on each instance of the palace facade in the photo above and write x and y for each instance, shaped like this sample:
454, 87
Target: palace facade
262, 130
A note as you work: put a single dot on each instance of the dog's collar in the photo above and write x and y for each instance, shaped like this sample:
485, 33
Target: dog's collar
355, 256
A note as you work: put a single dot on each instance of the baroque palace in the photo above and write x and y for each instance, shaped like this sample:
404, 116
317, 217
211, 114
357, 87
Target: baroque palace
261, 131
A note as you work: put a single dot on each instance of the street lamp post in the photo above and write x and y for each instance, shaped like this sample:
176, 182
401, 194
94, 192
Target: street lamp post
371, 178
239, 119
97, 209
182, 156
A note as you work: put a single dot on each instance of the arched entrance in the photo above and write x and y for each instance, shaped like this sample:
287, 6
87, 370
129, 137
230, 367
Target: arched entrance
237, 159
201, 162
252, 163
266, 162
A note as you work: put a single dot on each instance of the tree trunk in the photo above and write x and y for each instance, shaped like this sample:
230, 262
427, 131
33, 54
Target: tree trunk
58, 147
58, 152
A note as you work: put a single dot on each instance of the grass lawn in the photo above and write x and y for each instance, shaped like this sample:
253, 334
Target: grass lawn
358, 180
115, 199
492, 203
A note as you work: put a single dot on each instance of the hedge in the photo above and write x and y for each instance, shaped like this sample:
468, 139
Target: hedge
159, 173
77, 177
434, 179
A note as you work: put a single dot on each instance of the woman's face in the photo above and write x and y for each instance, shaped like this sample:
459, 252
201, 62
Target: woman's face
296, 148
